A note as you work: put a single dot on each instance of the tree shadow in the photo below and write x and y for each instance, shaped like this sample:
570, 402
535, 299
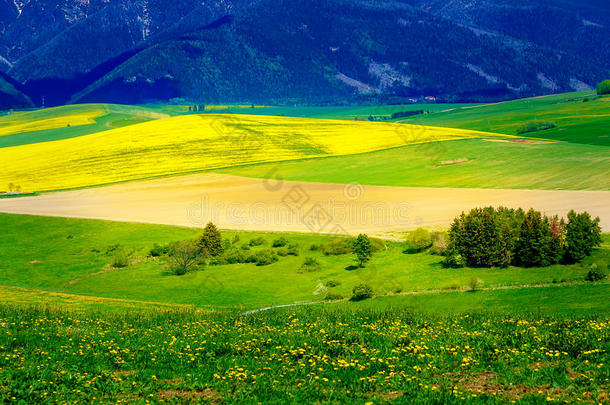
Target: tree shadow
352, 267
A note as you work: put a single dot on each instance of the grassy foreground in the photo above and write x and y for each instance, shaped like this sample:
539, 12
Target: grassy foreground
300, 356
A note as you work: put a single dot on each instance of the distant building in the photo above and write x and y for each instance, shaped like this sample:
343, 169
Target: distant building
430, 99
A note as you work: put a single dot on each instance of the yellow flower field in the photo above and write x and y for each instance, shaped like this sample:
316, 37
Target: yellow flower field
40, 120
200, 142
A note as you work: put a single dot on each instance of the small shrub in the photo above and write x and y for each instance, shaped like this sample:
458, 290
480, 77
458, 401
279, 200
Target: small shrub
235, 239
535, 126
333, 297
159, 250
475, 284
337, 247
293, 250
257, 241
235, 256
332, 284
418, 240
314, 247
309, 265
245, 247
361, 292
121, 258
439, 243
280, 242
453, 260
263, 258
596, 273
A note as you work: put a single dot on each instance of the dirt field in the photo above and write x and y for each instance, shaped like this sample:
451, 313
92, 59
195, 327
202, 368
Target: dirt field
251, 204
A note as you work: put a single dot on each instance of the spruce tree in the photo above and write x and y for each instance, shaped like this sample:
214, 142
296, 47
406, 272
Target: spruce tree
210, 241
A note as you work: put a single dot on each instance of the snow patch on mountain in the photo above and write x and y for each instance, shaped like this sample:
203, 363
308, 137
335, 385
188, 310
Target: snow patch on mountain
387, 76
578, 85
546, 82
362, 88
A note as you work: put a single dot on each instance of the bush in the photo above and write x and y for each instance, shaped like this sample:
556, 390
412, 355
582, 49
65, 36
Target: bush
453, 260
332, 284
257, 241
121, 258
333, 297
418, 240
309, 265
210, 242
583, 234
474, 284
263, 258
361, 292
596, 273
293, 250
280, 242
603, 87
183, 257
159, 250
337, 247
535, 126
439, 243
235, 256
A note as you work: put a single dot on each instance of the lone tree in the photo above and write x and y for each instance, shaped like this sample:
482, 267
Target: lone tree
210, 241
603, 87
363, 249
182, 257
583, 234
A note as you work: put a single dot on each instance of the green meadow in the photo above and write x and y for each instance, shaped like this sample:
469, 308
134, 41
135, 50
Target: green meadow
75, 256
579, 117
472, 163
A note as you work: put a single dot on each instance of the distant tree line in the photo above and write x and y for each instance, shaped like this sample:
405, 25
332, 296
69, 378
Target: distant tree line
402, 114
487, 237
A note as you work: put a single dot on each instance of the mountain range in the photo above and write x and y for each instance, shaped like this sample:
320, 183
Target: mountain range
298, 51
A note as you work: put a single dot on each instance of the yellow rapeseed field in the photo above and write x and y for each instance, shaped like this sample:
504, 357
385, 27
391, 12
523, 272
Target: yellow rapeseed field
199, 142
40, 120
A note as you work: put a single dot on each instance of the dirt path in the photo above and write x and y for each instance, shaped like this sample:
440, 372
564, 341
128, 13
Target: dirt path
266, 205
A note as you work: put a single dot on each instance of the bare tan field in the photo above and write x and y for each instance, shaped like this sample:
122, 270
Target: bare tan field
266, 205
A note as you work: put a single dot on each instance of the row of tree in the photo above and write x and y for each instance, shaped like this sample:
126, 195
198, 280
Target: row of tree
500, 237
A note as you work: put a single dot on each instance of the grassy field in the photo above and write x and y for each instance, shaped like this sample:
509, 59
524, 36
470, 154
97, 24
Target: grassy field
300, 356
199, 142
471, 163
51, 124
576, 120
75, 256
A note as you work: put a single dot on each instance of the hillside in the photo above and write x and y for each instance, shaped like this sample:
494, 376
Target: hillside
314, 52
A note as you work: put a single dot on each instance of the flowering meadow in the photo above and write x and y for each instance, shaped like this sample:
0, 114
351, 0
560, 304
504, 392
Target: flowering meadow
300, 356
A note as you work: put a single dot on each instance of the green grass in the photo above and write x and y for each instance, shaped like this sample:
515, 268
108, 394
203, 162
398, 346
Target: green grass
71, 256
116, 116
481, 164
577, 121
300, 356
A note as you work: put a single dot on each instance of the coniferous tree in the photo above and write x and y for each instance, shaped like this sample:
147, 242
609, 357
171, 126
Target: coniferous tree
583, 234
534, 244
210, 241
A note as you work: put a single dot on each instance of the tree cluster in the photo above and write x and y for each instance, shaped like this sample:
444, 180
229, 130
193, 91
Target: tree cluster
487, 237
